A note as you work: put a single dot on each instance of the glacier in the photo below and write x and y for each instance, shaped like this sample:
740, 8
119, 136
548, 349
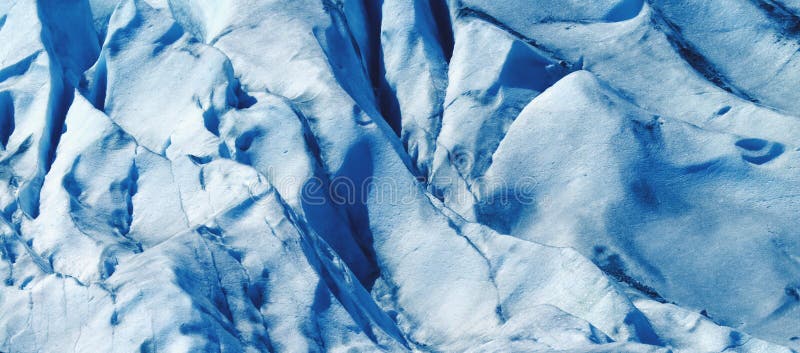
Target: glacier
399, 175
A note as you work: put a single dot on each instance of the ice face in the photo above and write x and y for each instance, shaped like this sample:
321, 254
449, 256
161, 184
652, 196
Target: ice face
399, 175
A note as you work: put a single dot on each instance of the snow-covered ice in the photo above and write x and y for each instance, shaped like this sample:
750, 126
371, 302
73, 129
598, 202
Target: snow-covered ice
399, 175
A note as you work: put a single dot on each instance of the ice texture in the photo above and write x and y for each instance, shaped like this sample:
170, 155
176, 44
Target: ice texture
399, 175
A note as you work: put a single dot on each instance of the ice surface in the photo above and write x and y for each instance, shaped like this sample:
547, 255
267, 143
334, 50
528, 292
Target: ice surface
399, 175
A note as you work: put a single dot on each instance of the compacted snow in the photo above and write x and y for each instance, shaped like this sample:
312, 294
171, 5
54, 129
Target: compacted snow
399, 175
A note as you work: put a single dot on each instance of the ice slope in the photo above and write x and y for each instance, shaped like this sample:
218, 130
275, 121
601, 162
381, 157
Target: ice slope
443, 176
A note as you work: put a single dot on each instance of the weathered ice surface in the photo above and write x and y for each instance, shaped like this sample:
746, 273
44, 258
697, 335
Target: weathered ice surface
399, 175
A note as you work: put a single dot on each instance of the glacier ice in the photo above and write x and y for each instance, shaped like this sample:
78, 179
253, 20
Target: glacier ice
399, 175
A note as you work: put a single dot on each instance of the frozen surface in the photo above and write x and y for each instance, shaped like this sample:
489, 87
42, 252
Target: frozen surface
399, 175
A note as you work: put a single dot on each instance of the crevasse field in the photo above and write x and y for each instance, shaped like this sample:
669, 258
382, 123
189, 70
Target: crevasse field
399, 176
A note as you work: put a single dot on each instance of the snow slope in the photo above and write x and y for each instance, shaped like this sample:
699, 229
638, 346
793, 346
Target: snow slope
399, 175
